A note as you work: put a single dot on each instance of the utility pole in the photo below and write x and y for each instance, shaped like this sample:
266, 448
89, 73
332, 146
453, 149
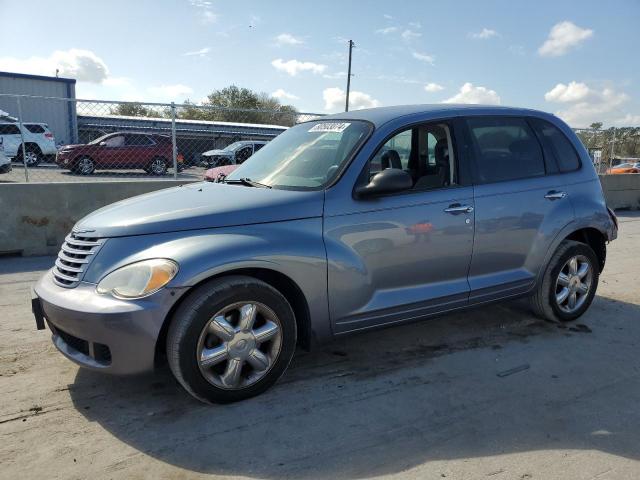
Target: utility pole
351, 45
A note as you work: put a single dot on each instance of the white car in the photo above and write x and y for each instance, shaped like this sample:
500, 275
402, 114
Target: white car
5, 163
38, 141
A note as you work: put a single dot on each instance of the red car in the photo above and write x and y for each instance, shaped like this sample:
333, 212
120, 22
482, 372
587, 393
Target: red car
131, 150
217, 174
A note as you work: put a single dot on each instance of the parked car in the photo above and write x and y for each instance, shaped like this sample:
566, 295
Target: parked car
330, 230
5, 162
624, 168
121, 150
218, 174
39, 142
233, 154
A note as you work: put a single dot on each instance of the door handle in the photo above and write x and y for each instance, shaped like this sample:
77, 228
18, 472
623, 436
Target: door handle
456, 208
554, 195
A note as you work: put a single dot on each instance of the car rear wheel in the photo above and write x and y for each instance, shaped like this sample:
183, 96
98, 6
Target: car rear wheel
158, 166
85, 166
569, 283
32, 156
231, 339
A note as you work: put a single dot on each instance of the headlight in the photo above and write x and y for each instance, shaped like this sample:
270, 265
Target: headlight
139, 279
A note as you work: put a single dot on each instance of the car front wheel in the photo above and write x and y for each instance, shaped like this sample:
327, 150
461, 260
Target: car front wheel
231, 339
569, 283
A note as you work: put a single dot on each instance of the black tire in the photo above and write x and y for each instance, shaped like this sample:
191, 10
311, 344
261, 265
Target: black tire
84, 166
34, 155
157, 167
197, 310
543, 302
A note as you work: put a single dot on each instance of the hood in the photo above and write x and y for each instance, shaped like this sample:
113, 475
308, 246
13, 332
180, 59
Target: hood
200, 206
223, 153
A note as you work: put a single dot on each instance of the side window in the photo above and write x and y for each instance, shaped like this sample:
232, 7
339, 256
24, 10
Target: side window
394, 153
34, 128
557, 145
9, 129
257, 146
425, 152
115, 141
137, 140
506, 149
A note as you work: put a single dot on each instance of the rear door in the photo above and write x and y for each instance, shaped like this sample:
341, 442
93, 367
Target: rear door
139, 150
520, 205
396, 257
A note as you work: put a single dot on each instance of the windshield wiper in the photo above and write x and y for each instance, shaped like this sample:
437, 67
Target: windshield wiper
246, 181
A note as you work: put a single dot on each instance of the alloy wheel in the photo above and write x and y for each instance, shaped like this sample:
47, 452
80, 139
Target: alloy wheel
85, 166
574, 283
158, 167
239, 345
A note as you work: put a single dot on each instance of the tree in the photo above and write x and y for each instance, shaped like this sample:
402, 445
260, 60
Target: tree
236, 104
596, 125
133, 110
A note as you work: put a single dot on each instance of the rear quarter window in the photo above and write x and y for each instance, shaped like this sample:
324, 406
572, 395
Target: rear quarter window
557, 145
35, 128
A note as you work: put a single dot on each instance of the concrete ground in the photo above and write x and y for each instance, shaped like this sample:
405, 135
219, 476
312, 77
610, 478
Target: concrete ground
491, 393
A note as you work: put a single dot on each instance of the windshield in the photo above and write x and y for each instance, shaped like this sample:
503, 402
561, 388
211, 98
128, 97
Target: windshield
235, 145
99, 139
306, 156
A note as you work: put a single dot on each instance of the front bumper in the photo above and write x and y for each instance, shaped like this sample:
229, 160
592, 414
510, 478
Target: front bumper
101, 332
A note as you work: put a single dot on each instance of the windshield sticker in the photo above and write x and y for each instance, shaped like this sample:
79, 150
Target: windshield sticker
337, 127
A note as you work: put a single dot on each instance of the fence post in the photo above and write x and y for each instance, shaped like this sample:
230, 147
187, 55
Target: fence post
613, 148
174, 147
24, 150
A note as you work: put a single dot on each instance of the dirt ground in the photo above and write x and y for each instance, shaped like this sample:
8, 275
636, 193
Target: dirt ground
490, 393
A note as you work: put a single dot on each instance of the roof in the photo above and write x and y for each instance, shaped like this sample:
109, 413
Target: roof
37, 77
382, 115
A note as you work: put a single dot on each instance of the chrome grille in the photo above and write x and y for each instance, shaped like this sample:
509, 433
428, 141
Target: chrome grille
75, 255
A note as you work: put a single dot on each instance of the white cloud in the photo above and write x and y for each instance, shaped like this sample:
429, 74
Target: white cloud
409, 34
117, 82
205, 11
484, 34
433, 87
387, 30
203, 52
83, 65
335, 98
423, 57
586, 105
417, 25
293, 67
280, 94
171, 92
334, 76
563, 37
628, 121
387, 16
288, 39
470, 94
572, 92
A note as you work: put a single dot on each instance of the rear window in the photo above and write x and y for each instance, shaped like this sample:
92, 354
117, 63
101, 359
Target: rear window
557, 145
9, 129
35, 128
506, 149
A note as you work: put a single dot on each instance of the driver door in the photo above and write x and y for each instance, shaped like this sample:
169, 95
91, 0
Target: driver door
406, 255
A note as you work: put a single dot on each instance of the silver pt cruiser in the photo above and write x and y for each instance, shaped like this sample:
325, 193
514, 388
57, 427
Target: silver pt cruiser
351, 222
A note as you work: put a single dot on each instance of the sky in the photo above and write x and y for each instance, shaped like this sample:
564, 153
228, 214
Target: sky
577, 59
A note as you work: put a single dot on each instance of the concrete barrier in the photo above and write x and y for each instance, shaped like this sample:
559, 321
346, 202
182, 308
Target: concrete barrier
37, 216
621, 191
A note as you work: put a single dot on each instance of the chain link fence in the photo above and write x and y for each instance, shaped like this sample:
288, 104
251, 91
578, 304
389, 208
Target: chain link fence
48, 139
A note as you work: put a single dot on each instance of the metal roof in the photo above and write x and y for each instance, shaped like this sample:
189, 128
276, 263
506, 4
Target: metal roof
37, 77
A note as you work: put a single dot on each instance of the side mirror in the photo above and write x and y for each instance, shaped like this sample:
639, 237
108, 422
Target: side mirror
103, 144
390, 180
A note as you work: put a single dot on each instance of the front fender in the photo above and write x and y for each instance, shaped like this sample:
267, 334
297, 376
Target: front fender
293, 248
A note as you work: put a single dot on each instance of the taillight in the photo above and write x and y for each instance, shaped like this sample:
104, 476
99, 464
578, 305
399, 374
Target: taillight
49, 135
180, 158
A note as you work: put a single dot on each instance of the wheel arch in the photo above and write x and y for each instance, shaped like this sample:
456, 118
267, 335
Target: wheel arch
278, 280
